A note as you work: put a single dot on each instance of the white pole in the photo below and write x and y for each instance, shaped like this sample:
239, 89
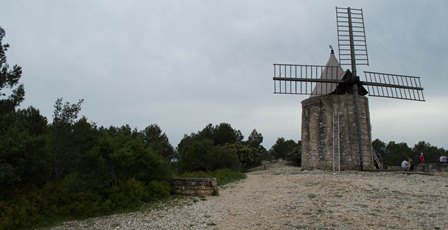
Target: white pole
339, 147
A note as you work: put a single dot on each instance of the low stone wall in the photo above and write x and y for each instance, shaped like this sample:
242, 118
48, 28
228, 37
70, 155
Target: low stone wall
429, 167
432, 167
195, 186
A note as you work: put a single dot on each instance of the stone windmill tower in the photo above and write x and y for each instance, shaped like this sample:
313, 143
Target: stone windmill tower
336, 131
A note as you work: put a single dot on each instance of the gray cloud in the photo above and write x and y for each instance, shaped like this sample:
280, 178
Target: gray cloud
184, 64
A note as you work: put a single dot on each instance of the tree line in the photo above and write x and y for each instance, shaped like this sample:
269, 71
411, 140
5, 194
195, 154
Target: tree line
392, 153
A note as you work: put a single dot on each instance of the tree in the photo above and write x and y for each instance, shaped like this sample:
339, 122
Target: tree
282, 148
9, 80
158, 141
432, 153
20, 143
379, 148
248, 156
225, 134
65, 114
216, 147
193, 154
222, 134
63, 147
396, 153
295, 156
255, 139
34, 167
24, 158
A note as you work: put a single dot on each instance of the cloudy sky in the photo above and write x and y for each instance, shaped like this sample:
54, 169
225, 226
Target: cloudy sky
183, 64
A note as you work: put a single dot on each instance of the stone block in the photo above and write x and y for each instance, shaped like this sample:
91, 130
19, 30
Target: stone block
195, 186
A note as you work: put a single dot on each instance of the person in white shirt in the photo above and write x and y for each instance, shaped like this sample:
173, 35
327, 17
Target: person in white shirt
405, 165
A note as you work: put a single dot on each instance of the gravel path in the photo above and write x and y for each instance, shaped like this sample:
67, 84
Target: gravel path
284, 197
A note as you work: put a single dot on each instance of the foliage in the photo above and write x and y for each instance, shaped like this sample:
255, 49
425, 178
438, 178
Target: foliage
248, 155
220, 134
397, 152
65, 114
255, 139
432, 153
379, 147
394, 153
158, 141
9, 81
203, 155
73, 169
64, 140
282, 148
295, 156
218, 147
221, 157
23, 151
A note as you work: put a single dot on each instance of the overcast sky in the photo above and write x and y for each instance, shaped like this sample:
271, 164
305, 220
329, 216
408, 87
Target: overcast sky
183, 64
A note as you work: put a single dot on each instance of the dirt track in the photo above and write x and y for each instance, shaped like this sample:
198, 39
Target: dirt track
283, 197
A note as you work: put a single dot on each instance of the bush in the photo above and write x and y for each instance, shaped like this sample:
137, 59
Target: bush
295, 156
133, 193
33, 207
223, 176
27, 209
158, 190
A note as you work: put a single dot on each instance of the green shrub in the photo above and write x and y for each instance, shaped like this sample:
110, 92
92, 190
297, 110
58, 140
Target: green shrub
85, 204
223, 176
157, 190
129, 194
295, 156
134, 192
25, 210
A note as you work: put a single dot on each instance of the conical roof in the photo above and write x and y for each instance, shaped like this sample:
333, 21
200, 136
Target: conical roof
332, 70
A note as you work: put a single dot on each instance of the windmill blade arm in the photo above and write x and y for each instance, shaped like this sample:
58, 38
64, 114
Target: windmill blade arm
308, 80
305, 71
304, 86
393, 86
305, 79
366, 83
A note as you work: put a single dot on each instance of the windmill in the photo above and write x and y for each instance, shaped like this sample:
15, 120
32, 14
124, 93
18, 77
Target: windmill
336, 131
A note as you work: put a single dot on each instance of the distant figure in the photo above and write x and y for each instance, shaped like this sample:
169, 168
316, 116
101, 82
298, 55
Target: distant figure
421, 159
405, 165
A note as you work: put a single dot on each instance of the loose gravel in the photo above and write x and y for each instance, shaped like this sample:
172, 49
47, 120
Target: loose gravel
284, 197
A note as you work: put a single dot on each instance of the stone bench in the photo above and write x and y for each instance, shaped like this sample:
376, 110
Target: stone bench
429, 167
195, 186
394, 168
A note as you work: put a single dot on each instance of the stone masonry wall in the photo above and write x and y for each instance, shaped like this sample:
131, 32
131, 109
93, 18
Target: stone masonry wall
195, 186
319, 137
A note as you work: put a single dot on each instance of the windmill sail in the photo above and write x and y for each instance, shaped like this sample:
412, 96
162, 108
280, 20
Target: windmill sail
351, 37
393, 86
